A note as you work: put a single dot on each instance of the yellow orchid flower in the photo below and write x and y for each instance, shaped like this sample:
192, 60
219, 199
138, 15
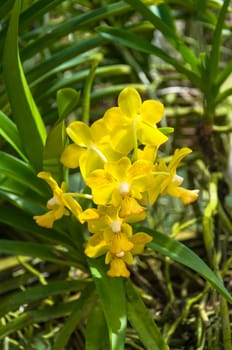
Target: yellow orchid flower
166, 181
119, 261
118, 243
59, 205
91, 147
133, 120
107, 217
120, 183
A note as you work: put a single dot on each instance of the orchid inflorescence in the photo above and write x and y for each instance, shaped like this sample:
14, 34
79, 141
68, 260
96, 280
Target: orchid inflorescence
117, 157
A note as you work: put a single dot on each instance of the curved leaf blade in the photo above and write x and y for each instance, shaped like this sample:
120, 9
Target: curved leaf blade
182, 254
26, 115
141, 320
111, 292
9, 132
96, 337
126, 38
13, 301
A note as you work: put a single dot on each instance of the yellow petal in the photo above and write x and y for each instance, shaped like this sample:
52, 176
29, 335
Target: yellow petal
187, 196
80, 134
72, 205
99, 132
46, 176
140, 239
122, 139
151, 112
177, 158
96, 246
151, 136
71, 155
118, 269
90, 161
120, 244
129, 102
88, 214
119, 168
114, 117
102, 184
45, 220
129, 207
148, 153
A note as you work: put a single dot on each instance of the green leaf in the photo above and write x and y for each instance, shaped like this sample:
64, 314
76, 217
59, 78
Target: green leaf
67, 99
26, 115
79, 311
215, 53
15, 300
22, 173
36, 250
25, 223
55, 144
36, 316
96, 337
141, 320
111, 292
9, 132
134, 41
167, 28
183, 255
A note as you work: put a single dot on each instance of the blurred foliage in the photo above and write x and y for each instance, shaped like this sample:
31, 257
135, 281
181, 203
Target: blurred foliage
76, 57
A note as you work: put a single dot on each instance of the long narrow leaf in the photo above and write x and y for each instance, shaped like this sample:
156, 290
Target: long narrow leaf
216, 43
182, 254
25, 223
26, 115
169, 33
96, 337
35, 250
21, 172
80, 311
9, 132
15, 300
141, 320
111, 292
43, 315
135, 42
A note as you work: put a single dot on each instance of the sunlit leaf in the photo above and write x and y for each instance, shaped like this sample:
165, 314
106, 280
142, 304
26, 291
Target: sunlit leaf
111, 292
26, 115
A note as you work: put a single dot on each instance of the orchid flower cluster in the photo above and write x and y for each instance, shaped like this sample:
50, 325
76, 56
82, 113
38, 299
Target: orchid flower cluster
117, 157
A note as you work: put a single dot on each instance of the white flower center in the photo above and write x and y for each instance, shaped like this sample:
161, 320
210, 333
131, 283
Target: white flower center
53, 201
178, 179
120, 254
116, 225
124, 187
